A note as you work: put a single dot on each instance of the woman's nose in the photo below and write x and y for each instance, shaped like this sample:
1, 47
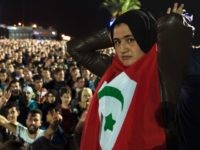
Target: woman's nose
123, 47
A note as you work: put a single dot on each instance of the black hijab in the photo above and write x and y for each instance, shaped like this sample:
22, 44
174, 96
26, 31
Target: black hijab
142, 26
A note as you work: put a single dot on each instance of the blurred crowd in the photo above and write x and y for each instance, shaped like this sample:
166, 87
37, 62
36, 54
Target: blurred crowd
40, 75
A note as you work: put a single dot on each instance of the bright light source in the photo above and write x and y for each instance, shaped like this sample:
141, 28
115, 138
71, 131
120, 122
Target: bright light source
19, 24
66, 37
12, 28
53, 33
34, 26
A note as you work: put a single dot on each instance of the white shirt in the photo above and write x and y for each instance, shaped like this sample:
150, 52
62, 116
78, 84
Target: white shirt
22, 132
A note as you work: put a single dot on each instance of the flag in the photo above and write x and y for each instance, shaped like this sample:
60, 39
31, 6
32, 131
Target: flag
123, 114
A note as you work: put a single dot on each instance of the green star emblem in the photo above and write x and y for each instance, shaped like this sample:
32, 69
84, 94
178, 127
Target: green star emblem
109, 122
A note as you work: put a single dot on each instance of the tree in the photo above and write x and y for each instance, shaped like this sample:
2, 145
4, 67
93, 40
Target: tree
118, 7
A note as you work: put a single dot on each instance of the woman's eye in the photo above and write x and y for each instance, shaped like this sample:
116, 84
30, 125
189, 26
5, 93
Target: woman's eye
130, 40
116, 42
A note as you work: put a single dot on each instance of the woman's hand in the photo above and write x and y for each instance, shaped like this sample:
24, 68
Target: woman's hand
177, 8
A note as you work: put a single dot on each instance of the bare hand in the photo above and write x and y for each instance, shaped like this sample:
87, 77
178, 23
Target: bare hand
56, 117
177, 8
7, 94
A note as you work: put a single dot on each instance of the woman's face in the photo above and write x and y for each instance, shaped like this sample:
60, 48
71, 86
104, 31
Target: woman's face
51, 98
126, 47
86, 95
66, 98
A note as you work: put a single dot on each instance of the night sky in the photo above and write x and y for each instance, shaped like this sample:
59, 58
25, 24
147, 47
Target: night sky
76, 17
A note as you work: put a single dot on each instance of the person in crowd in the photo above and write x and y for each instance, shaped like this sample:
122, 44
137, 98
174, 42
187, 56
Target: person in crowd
11, 112
69, 114
29, 133
4, 79
2, 63
83, 100
50, 101
58, 80
74, 73
16, 91
78, 86
3, 100
34, 121
55, 138
13, 145
28, 77
26, 103
10, 69
39, 89
85, 97
137, 95
89, 82
46, 75
19, 73
28, 100
86, 74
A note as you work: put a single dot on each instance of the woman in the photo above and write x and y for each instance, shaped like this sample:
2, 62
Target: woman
84, 97
134, 103
84, 100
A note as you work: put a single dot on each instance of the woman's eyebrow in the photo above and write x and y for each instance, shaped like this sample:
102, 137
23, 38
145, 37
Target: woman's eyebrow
126, 36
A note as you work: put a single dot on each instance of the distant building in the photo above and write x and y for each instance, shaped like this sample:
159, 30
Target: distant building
26, 32
41, 33
3, 31
20, 32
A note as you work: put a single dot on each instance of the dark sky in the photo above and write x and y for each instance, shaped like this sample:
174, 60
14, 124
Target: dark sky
70, 16
75, 17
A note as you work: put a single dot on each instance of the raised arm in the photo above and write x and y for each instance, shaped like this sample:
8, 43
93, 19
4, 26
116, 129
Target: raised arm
53, 125
84, 51
6, 124
174, 44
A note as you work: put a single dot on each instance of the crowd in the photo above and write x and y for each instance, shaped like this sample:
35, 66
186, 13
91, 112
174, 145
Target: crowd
36, 77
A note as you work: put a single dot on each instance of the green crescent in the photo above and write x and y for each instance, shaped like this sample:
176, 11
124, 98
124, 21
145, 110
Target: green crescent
113, 92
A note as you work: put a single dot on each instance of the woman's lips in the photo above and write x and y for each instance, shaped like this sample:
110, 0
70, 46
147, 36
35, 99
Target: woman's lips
126, 57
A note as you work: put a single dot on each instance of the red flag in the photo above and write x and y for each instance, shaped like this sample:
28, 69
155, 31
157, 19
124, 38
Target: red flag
122, 114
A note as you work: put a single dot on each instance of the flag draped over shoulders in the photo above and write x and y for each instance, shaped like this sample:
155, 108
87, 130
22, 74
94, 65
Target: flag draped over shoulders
123, 114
